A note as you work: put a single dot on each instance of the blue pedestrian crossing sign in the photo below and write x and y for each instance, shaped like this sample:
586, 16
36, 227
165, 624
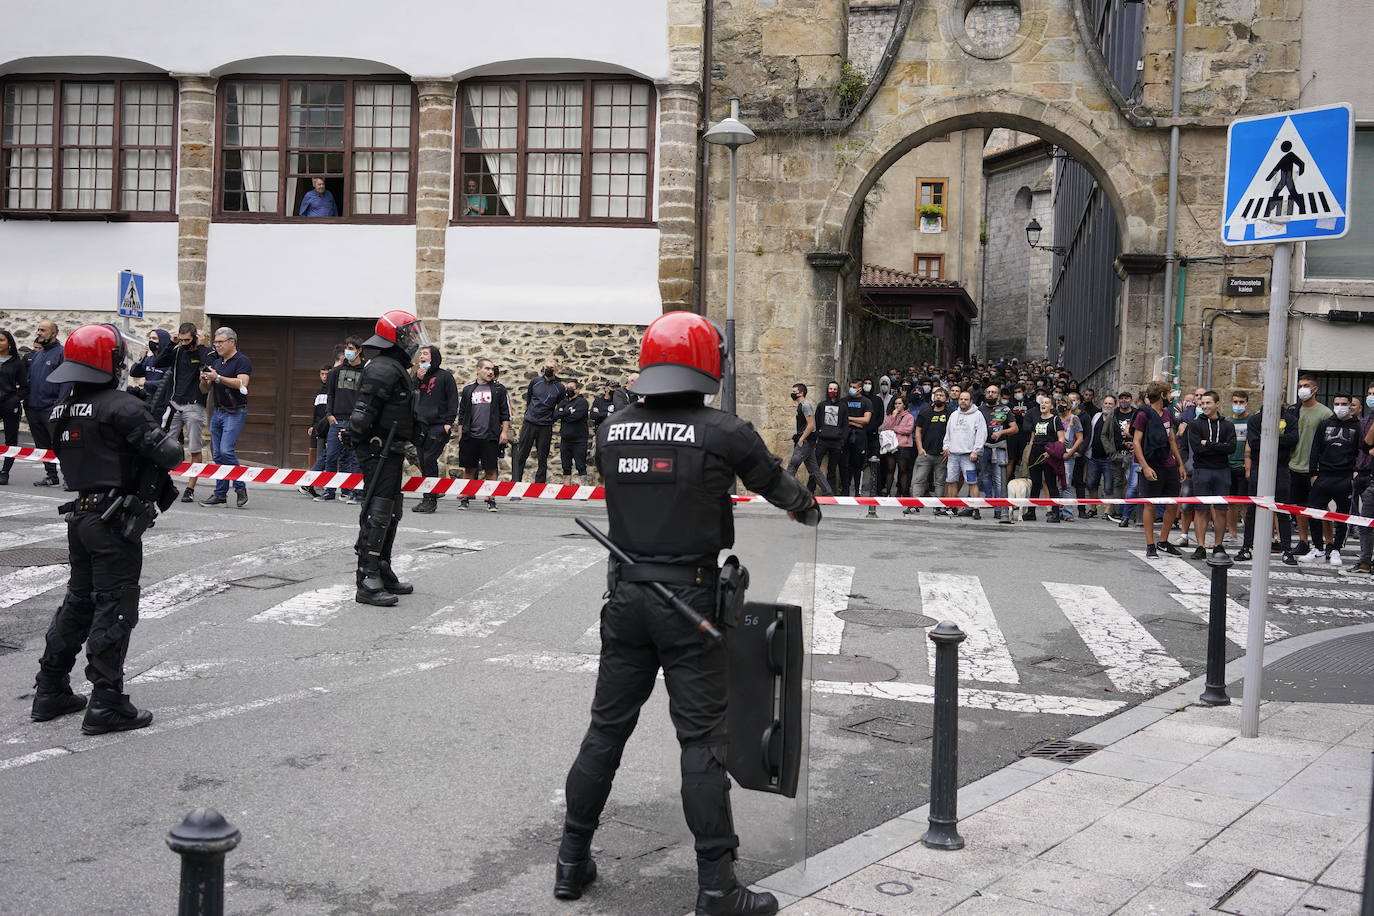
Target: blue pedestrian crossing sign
130, 294
1288, 176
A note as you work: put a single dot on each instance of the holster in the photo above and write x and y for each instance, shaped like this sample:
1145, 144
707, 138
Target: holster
731, 584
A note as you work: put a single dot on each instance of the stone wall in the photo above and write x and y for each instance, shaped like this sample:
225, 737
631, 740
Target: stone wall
781, 57
23, 322
1016, 276
875, 344
870, 27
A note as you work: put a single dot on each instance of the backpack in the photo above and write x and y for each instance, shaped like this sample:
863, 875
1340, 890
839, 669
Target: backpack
1156, 443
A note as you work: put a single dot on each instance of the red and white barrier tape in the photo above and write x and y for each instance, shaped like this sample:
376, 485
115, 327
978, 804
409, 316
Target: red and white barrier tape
453, 486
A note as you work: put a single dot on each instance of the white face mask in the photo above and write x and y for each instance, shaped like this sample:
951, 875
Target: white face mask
350, 355
424, 366
1341, 410
1304, 394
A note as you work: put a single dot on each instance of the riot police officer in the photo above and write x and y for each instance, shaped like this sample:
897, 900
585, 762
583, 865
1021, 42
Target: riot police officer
669, 463
381, 427
116, 458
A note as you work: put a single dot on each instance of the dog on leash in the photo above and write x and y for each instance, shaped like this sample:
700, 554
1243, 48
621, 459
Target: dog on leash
1017, 488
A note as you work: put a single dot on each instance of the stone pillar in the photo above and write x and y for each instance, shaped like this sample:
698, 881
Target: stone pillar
679, 111
195, 191
433, 195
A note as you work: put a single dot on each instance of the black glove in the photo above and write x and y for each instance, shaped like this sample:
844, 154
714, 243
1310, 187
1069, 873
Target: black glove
810, 517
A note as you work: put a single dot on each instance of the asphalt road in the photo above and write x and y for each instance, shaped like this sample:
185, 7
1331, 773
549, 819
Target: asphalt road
411, 760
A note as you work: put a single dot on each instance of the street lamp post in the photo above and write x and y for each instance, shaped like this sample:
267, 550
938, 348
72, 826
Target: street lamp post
733, 134
1033, 230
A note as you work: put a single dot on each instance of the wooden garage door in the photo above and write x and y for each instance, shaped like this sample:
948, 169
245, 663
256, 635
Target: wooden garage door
286, 354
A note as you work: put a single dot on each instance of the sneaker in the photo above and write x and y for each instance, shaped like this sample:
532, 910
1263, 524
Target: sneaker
1182, 542
910, 510
463, 501
1170, 549
491, 503
1151, 553
1312, 557
1362, 568
214, 501
308, 491
1053, 518
1243, 555
242, 499
1124, 523
1219, 552
1276, 546
1302, 550
1289, 559
977, 516
350, 500
941, 512
1200, 553
1228, 541
1333, 556
188, 495
48, 482
326, 497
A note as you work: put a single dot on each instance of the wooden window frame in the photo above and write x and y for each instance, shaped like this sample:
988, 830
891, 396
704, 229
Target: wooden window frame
113, 214
920, 256
944, 199
220, 215
586, 150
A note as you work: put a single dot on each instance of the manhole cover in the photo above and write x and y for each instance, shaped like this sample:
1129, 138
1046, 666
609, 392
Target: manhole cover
1349, 655
850, 668
890, 729
886, 619
1191, 625
1058, 749
1066, 666
33, 556
264, 581
448, 548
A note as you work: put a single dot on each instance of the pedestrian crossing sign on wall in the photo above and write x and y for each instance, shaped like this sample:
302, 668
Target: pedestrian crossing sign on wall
130, 294
1288, 176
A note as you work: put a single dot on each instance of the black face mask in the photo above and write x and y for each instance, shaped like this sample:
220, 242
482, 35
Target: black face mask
548, 373
794, 395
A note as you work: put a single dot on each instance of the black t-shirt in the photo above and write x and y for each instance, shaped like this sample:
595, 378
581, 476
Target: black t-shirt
225, 397
931, 423
1043, 430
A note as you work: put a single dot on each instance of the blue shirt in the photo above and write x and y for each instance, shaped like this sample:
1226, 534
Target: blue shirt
225, 398
313, 204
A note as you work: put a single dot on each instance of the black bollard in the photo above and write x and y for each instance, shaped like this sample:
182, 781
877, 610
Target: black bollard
944, 743
1214, 694
202, 839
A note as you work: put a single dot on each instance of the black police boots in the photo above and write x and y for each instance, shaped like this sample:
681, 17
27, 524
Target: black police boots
571, 878
372, 590
720, 894
52, 701
112, 711
393, 584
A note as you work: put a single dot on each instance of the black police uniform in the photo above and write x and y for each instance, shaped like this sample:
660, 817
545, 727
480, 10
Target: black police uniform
383, 410
109, 445
668, 464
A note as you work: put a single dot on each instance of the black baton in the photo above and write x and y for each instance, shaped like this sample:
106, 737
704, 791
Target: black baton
676, 603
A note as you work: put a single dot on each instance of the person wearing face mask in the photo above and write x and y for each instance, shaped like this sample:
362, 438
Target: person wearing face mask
832, 425
1240, 419
1288, 439
1331, 463
1017, 444
929, 436
1047, 436
859, 413
1311, 413
147, 367
437, 411
12, 383
992, 461
804, 442
1364, 468
1212, 442
341, 391
180, 402
41, 394
542, 396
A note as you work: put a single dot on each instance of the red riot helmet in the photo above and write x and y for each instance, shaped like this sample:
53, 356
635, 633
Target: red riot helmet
681, 352
399, 328
94, 353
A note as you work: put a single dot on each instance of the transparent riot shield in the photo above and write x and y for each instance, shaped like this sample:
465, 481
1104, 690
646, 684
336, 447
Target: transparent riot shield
769, 642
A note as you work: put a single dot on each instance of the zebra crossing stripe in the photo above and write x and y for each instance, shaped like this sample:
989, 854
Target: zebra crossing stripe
1280, 576
1183, 575
20, 506
1307, 610
1136, 661
27, 536
32, 581
984, 655
830, 585
1237, 619
1330, 594
186, 589
589, 643
316, 607
483, 611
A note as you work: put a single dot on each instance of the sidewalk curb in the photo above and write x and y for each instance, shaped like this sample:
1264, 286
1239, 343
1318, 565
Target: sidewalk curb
844, 859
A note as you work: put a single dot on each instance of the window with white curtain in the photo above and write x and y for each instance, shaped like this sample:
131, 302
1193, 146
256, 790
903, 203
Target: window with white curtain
99, 145
555, 150
279, 134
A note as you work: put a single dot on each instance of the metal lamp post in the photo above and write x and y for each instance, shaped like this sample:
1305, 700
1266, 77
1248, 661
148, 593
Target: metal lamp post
730, 133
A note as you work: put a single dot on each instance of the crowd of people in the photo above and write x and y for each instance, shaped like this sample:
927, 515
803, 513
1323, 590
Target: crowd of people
998, 428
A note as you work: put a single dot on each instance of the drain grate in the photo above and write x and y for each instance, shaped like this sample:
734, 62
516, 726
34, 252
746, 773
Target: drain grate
265, 582
850, 668
890, 728
886, 619
1348, 655
1061, 665
33, 556
1061, 750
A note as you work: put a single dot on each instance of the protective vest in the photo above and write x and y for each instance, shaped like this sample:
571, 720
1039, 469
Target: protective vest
386, 396
668, 474
92, 433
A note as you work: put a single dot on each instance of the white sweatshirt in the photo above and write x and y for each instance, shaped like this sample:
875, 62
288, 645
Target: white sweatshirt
966, 432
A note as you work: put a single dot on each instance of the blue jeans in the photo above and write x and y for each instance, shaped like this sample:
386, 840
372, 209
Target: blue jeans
225, 426
1132, 489
337, 456
992, 475
1101, 471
